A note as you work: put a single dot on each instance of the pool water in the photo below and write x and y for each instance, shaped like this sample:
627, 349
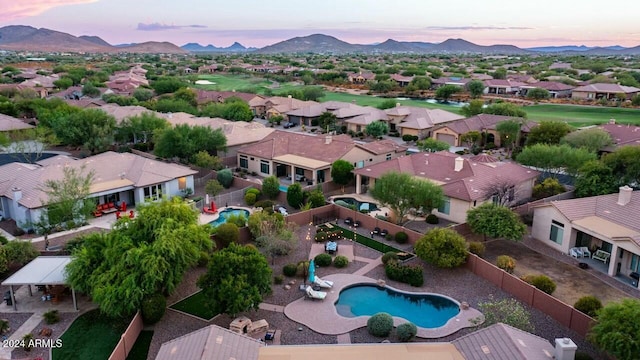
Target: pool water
283, 188
224, 214
359, 205
424, 310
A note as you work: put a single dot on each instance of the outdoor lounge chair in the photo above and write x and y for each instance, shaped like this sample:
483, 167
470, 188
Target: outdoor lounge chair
575, 252
384, 232
322, 283
585, 251
313, 294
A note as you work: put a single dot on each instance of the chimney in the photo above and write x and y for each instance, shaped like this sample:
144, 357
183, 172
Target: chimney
459, 164
624, 196
565, 349
289, 97
612, 121
17, 194
327, 139
398, 104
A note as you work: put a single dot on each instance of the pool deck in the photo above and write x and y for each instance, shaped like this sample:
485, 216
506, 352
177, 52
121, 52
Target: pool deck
321, 315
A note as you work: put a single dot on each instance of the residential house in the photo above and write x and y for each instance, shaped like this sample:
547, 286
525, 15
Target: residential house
9, 123
359, 123
502, 86
277, 105
409, 120
622, 135
523, 78
604, 91
118, 177
360, 77
605, 223
466, 182
450, 80
40, 91
343, 112
125, 82
400, 80
556, 89
481, 76
206, 96
309, 157
210, 69
482, 123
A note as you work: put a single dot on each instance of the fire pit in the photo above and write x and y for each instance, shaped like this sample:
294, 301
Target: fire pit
583, 265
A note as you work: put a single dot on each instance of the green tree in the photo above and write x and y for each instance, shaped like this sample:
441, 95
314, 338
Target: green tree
63, 83
401, 192
509, 131
207, 161
167, 85
505, 109
421, 83
271, 187
90, 90
383, 86
312, 93
184, 141
595, 178
617, 329
327, 121
142, 94
444, 248
554, 158
474, 107
316, 198
507, 311
187, 95
471, 138
237, 279
227, 233
140, 128
591, 139
388, 104
549, 187
445, 92
92, 128
496, 221
377, 129
237, 111
225, 178
500, 73
432, 145
264, 222
476, 88
342, 172
213, 187
624, 165
170, 105
548, 132
20, 252
538, 94
295, 197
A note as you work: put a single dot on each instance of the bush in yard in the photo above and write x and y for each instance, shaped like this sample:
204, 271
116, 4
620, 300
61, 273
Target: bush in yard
432, 219
153, 308
476, 247
225, 178
265, 204
380, 324
51, 317
589, 305
27, 342
506, 263
295, 196
250, 199
408, 274
290, 270
443, 248
253, 190
227, 233
271, 187
402, 237
508, 311
278, 279
3, 240
302, 269
541, 282
389, 256
323, 260
340, 261
406, 331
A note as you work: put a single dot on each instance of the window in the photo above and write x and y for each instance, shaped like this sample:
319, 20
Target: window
360, 164
635, 263
244, 163
153, 192
388, 156
264, 167
557, 232
113, 198
446, 206
299, 171
182, 183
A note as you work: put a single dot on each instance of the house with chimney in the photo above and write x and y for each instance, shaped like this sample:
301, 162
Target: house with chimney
466, 182
601, 231
621, 135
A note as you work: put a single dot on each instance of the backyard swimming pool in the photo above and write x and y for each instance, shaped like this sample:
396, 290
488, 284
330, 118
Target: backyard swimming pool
283, 188
224, 214
424, 310
360, 205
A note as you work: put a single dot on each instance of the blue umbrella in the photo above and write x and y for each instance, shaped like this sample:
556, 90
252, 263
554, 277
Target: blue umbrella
312, 271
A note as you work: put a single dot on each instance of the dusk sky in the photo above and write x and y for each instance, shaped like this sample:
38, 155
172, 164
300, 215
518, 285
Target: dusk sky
259, 23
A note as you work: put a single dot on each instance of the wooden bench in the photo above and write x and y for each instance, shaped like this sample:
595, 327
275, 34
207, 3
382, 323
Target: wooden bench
602, 256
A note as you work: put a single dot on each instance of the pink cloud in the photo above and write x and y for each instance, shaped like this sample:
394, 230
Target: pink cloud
13, 9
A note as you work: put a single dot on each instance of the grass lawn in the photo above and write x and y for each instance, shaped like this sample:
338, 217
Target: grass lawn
140, 349
194, 305
582, 115
92, 336
367, 100
242, 83
376, 245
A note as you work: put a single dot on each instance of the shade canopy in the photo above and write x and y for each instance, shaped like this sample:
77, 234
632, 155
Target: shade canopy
312, 271
43, 270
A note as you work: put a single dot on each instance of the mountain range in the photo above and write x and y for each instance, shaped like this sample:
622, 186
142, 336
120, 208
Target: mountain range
27, 38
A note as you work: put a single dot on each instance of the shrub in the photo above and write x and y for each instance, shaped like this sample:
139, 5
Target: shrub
388, 237
589, 305
340, 261
250, 199
549, 187
203, 260
406, 331
542, 282
295, 197
271, 187
508, 311
20, 252
153, 308
389, 256
506, 263
4, 326
278, 279
27, 342
402, 237
302, 269
380, 324
265, 204
408, 274
331, 235
253, 190
476, 247
323, 260
225, 178
432, 219
407, 138
51, 317
227, 233
290, 270
490, 146
3, 240
443, 248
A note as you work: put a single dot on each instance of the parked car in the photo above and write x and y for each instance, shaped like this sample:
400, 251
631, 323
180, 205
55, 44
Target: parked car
288, 125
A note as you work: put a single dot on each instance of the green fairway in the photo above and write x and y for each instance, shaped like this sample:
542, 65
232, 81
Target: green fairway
92, 336
582, 115
243, 83
194, 305
367, 100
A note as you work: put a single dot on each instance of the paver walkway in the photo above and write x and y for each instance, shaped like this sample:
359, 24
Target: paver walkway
372, 264
344, 338
26, 328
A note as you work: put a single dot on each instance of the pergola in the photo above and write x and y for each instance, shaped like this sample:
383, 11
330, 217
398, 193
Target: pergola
43, 270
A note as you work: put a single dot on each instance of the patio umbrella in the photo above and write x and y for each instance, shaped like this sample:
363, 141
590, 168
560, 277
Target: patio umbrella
312, 271
213, 206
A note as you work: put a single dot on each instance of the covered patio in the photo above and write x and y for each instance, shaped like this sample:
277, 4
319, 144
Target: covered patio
301, 169
46, 273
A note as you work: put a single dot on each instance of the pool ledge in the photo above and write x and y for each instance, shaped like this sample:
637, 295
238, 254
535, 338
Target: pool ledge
321, 315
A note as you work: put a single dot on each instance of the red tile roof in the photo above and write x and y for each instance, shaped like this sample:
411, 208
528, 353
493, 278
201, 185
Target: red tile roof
623, 134
607, 88
482, 122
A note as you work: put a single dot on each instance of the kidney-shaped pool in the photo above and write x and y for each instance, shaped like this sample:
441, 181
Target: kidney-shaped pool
424, 310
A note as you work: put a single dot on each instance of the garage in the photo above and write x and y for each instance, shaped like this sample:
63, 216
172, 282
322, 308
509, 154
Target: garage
449, 139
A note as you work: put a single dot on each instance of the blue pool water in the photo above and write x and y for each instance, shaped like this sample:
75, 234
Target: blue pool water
425, 310
283, 188
224, 214
359, 205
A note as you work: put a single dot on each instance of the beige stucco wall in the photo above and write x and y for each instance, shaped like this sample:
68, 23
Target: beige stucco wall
446, 131
541, 228
356, 154
457, 210
582, 95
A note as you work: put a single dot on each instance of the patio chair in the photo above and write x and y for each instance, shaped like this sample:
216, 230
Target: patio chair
575, 252
357, 223
348, 221
585, 251
313, 294
323, 283
384, 232
376, 230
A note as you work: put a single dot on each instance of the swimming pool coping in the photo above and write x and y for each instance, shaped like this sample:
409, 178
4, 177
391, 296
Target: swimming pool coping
322, 316
207, 218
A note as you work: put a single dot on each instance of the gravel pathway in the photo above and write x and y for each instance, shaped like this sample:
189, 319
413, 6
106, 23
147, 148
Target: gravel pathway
57, 330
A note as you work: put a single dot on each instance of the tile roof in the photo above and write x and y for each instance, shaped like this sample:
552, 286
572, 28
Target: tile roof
503, 83
608, 88
470, 183
107, 167
451, 80
204, 96
422, 118
623, 134
482, 122
9, 123
210, 343
383, 147
503, 342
